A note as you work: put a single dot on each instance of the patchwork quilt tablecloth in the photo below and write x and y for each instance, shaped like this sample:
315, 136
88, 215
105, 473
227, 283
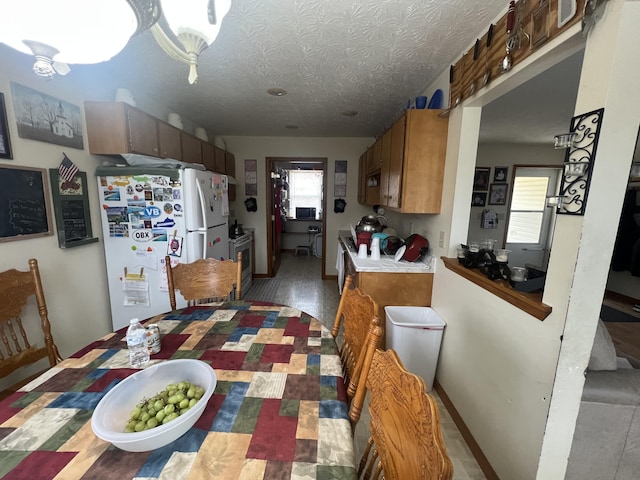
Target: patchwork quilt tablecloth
278, 410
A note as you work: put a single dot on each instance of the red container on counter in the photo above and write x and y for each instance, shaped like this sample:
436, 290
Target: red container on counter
363, 237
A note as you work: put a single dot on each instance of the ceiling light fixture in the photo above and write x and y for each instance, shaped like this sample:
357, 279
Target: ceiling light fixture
73, 31
195, 23
277, 92
94, 31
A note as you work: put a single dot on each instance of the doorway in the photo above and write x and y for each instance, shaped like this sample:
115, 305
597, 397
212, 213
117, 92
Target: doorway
530, 216
279, 213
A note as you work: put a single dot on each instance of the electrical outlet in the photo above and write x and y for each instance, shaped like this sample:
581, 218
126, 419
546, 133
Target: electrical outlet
441, 241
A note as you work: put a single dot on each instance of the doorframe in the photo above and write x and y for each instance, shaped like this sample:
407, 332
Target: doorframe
270, 161
550, 232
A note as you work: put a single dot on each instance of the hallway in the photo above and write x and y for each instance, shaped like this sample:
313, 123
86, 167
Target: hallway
300, 285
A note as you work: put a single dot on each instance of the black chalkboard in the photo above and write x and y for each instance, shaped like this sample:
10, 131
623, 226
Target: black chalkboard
24, 203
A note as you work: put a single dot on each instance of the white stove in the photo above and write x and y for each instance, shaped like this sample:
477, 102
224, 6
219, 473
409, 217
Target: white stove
242, 244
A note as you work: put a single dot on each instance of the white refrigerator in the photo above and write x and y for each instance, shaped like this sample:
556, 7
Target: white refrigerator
148, 213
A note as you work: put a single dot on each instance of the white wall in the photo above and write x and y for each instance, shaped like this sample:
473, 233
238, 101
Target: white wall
333, 149
517, 381
507, 154
74, 280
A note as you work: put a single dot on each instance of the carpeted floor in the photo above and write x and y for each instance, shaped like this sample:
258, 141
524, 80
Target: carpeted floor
262, 289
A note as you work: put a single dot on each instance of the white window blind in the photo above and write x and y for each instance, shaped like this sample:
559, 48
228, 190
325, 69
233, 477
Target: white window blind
528, 202
305, 190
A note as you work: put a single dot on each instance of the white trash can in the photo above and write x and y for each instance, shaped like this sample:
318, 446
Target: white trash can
415, 333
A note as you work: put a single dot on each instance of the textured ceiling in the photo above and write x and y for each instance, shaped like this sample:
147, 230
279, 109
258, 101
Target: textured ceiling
331, 56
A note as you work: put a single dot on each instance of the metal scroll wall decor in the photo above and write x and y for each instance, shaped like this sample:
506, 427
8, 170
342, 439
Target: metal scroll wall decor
581, 144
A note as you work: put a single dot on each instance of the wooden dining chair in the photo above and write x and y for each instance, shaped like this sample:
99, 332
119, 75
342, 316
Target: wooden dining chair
205, 280
405, 435
21, 345
357, 315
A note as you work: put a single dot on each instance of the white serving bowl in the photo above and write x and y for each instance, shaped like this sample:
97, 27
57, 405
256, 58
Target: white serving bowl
112, 412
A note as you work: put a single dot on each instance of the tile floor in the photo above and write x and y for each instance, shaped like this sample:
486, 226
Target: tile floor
301, 286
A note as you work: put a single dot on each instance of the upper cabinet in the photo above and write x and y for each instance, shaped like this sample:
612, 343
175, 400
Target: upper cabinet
412, 156
117, 127
191, 148
169, 141
114, 128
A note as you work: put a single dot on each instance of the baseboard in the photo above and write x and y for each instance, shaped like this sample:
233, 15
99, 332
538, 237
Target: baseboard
483, 463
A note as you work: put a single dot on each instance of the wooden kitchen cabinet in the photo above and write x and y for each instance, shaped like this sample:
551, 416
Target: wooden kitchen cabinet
191, 148
389, 177
208, 156
117, 127
362, 178
418, 150
220, 159
412, 156
392, 288
169, 141
230, 168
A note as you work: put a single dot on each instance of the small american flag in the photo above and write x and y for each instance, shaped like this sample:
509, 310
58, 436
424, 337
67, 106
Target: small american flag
67, 169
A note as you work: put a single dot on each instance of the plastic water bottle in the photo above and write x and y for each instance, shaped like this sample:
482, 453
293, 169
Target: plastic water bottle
137, 344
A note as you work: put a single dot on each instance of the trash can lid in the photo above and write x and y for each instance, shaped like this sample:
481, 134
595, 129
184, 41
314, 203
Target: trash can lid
414, 317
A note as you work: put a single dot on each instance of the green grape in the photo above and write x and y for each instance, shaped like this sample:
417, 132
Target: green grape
152, 422
175, 400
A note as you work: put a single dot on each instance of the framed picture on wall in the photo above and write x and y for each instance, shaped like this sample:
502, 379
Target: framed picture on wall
500, 174
498, 194
478, 199
5, 143
481, 178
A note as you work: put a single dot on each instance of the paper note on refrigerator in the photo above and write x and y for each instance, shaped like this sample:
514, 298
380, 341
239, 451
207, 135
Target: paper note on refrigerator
136, 290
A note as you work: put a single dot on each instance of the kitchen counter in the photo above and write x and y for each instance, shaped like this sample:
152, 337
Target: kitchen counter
386, 262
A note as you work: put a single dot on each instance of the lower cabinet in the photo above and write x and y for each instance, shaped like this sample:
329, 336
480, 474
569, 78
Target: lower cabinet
392, 288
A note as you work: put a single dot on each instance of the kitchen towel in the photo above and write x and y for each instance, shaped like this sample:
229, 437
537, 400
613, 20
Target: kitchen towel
340, 266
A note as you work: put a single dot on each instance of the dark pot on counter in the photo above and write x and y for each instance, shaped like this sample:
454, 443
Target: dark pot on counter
369, 224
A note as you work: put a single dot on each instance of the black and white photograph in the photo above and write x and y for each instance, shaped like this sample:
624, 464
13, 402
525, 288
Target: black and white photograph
45, 118
5, 143
500, 174
498, 194
479, 199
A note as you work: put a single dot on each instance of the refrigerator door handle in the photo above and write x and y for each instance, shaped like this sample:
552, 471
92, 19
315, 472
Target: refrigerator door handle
203, 210
204, 244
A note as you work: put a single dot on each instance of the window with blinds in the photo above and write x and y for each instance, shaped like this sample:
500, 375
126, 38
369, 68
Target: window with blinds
528, 202
305, 190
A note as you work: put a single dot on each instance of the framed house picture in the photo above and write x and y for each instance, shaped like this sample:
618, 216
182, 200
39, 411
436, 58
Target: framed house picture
481, 178
478, 199
5, 143
498, 194
45, 118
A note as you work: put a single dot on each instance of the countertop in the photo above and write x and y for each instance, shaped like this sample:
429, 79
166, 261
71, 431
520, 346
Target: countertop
386, 263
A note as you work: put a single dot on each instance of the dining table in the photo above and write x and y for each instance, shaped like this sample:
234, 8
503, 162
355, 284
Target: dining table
278, 410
